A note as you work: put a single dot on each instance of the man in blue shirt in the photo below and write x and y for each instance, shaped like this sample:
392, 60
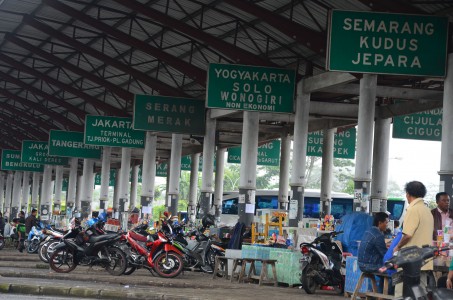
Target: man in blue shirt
372, 247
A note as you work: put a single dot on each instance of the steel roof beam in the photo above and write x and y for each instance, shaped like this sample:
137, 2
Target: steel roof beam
18, 133
61, 102
125, 95
10, 141
40, 123
162, 88
29, 130
52, 114
312, 39
108, 109
197, 74
237, 54
392, 6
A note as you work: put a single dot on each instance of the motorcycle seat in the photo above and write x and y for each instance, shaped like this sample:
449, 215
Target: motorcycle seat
137, 237
95, 239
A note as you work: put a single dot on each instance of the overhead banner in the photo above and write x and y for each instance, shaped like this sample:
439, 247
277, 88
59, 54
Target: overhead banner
70, 144
113, 132
387, 43
268, 154
169, 114
37, 152
344, 143
11, 162
252, 88
425, 125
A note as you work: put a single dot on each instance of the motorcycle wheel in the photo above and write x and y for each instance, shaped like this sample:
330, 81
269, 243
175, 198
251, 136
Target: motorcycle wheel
51, 248
168, 265
308, 282
118, 261
129, 270
62, 261
42, 252
2, 243
33, 246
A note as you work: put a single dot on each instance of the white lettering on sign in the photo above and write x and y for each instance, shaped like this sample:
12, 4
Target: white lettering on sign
112, 124
170, 121
42, 147
388, 26
254, 76
72, 144
170, 108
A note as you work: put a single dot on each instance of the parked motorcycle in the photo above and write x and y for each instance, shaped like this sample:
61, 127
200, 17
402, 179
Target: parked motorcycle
47, 247
2, 242
88, 249
35, 237
411, 260
322, 263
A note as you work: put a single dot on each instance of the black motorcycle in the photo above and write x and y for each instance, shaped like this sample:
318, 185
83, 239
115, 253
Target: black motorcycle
322, 263
411, 260
89, 249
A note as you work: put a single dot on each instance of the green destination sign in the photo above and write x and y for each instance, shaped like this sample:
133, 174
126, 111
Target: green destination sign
186, 163
70, 143
344, 143
251, 88
65, 184
168, 114
268, 154
112, 131
387, 43
161, 169
11, 162
97, 178
38, 152
425, 125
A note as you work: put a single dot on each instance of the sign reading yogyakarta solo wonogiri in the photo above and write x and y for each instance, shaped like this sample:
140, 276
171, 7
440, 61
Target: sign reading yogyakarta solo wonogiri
385, 43
251, 88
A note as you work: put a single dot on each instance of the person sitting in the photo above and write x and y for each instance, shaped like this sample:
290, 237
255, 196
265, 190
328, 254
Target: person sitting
442, 214
372, 246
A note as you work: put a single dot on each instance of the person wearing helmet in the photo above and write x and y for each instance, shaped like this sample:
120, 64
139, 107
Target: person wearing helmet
207, 220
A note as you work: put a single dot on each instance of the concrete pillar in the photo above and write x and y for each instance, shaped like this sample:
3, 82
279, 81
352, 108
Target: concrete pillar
124, 191
207, 172
35, 191
364, 155
193, 186
105, 178
148, 173
446, 157
58, 188
173, 184
298, 180
71, 199
247, 180
327, 172
8, 192
134, 184
283, 184
116, 194
46, 194
380, 165
2, 192
219, 174
25, 192
15, 199
86, 195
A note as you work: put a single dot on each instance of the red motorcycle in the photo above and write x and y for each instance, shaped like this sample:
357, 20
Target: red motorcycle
153, 252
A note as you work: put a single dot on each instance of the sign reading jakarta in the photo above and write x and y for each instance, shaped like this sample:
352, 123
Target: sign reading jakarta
252, 88
425, 125
11, 162
70, 143
370, 42
37, 152
112, 131
178, 115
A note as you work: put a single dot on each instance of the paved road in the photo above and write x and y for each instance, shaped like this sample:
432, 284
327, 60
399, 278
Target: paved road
26, 274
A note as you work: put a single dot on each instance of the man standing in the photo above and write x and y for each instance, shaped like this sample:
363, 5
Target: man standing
418, 226
372, 246
30, 221
442, 214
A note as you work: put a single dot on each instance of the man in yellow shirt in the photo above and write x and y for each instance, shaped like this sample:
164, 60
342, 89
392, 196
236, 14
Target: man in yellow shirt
418, 226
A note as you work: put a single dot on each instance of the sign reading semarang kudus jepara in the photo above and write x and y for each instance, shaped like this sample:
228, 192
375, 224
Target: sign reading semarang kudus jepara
38, 152
112, 131
70, 144
11, 162
425, 125
252, 88
386, 43
268, 154
344, 143
169, 114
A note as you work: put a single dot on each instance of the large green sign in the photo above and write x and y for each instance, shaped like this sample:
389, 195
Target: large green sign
168, 114
97, 178
186, 163
161, 169
38, 153
70, 143
344, 143
11, 162
268, 154
425, 125
384, 43
112, 131
251, 88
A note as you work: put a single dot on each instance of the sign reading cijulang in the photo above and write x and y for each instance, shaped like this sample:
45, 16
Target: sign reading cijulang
385, 43
70, 144
38, 152
169, 114
426, 125
11, 162
262, 89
